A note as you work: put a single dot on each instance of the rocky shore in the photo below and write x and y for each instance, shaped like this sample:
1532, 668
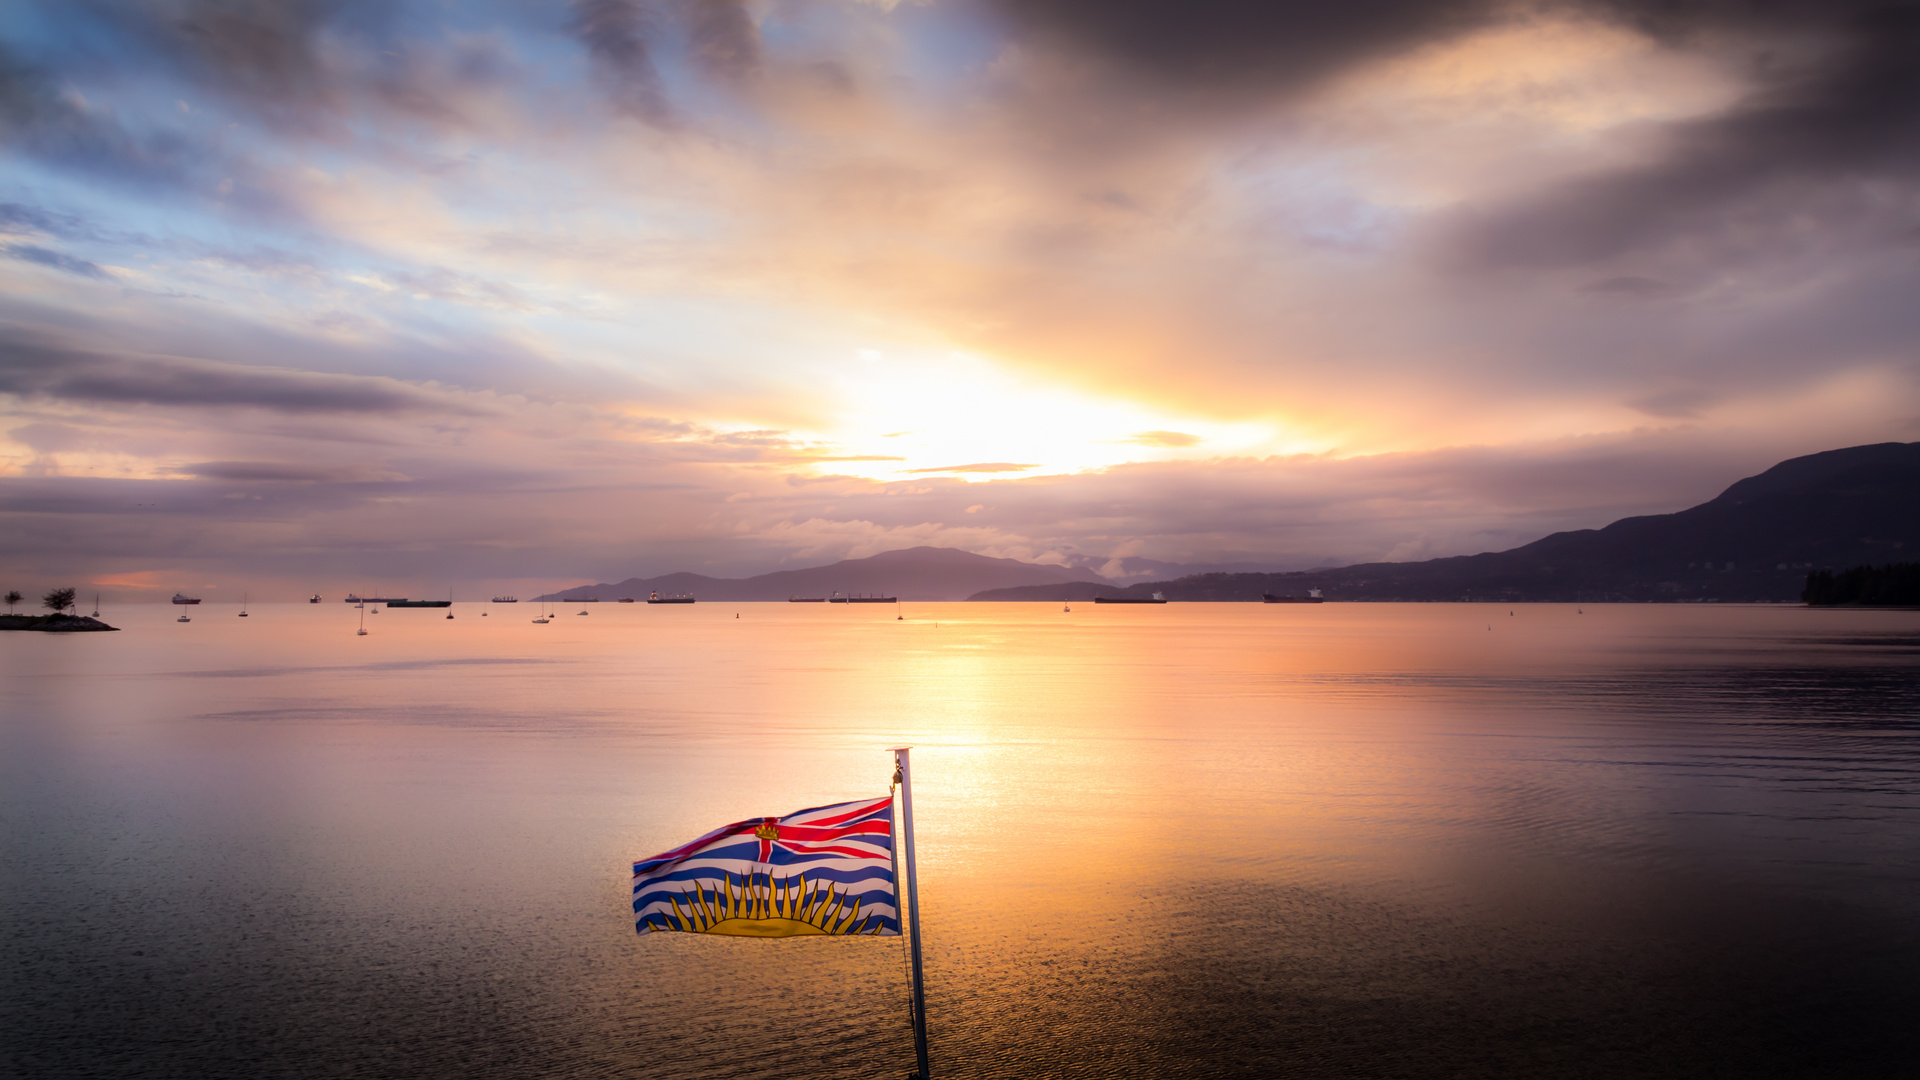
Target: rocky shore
58, 624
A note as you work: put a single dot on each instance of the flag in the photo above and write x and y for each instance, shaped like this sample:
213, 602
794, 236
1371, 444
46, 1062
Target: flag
828, 870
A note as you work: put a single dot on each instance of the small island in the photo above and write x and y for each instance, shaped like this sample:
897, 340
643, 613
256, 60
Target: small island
59, 622
55, 623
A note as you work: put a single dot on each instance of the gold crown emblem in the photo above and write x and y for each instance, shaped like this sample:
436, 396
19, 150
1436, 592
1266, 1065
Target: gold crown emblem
767, 832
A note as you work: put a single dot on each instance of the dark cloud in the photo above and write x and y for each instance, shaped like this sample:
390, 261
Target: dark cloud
54, 259
31, 370
1811, 147
620, 36
1250, 45
276, 472
17, 217
724, 38
1630, 286
262, 50
1681, 404
36, 117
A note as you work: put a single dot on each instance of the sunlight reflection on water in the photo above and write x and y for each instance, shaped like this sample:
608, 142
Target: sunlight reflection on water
1197, 840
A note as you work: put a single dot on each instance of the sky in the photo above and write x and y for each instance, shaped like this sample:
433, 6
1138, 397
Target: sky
301, 295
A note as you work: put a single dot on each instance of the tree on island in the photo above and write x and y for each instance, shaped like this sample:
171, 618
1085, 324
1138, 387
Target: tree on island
12, 598
59, 599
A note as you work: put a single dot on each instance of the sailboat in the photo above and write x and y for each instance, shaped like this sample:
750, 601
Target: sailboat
243, 605
543, 615
96, 605
183, 618
362, 632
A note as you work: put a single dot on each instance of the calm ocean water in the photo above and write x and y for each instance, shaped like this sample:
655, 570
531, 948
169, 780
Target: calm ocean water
1196, 840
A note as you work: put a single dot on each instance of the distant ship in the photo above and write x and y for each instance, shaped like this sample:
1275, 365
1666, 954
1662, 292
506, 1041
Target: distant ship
656, 598
182, 598
419, 603
506, 599
352, 599
836, 598
806, 599
1313, 597
625, 600
314, 599
1157, 599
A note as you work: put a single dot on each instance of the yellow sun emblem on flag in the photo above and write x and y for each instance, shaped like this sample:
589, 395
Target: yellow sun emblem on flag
769, 907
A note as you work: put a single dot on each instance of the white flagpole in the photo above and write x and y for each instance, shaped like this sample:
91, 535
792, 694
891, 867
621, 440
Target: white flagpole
913, 910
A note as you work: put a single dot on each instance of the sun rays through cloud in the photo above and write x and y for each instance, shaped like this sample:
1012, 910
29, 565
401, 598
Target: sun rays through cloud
781, 281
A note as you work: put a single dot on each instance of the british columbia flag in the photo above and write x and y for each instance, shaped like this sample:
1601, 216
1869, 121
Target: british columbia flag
828, 870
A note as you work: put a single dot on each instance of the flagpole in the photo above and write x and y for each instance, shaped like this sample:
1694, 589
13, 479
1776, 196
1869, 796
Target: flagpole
905, 770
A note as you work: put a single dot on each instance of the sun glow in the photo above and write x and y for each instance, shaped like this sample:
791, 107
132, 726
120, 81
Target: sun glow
962, 416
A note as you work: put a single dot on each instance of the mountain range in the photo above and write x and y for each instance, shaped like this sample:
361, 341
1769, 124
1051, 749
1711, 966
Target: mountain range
921, 573
1756, 541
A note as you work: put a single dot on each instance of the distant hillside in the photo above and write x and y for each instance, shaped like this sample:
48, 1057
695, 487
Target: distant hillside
1756, 541
922, 573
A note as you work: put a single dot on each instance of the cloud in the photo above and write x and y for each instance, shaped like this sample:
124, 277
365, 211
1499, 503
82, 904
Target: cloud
284, 472
1630, 287
38, 118
41, 371
1519, 266
259, 49
56, 260
1227, 45
978, 467
1164, 438
18, 217
620, 37
725, 40
1816, 135
1685, 403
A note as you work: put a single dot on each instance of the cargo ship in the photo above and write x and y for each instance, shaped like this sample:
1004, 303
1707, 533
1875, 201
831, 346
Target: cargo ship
806, 599
656, 598
836, 598
419, 603
352, 599
506, 599
1155, 599
1313, 597
314, 599
182, 598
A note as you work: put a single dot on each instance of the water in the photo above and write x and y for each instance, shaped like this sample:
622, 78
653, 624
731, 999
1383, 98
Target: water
1193, 840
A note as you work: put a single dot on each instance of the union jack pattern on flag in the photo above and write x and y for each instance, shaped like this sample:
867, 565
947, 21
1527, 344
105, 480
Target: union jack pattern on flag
828, 870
